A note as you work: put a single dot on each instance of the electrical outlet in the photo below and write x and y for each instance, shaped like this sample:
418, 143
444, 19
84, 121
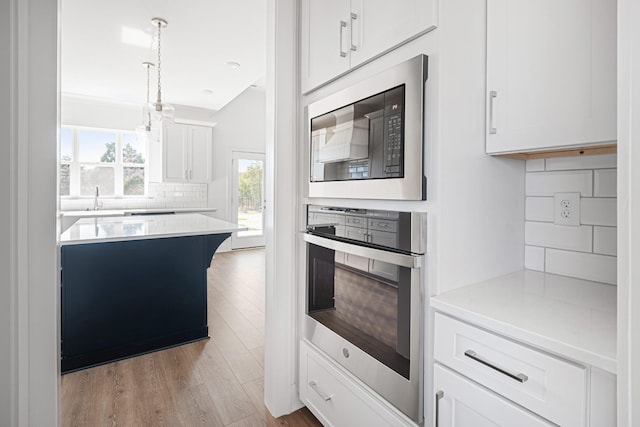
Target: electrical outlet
566, 208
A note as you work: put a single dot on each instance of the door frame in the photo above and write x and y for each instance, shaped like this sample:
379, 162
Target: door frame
242, 242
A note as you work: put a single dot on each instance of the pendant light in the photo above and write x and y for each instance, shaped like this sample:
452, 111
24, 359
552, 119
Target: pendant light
146, 113
160, 113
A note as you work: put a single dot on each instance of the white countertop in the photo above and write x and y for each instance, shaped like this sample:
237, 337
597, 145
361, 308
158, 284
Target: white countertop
122, 228
121, 212
568, 317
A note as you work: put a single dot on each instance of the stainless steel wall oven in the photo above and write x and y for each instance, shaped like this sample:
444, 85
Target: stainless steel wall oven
364, 298
367, 141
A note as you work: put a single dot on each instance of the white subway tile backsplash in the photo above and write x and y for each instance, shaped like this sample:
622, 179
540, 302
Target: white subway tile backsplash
588, 251
534, 258
581, 162
595, 211
535, 165
600, 268
549, 235
605, 183
539, 209
159, 195
605, 240
547, 183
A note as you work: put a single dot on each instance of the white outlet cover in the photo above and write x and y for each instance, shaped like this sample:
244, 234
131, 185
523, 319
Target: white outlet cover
566, 209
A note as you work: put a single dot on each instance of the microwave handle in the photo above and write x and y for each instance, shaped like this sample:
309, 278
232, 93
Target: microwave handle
403, 260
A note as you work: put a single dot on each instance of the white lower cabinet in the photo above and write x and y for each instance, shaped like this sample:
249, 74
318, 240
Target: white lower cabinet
486, 379
463, 403
337, 400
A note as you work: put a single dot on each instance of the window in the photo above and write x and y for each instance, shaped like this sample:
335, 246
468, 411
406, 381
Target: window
113, 160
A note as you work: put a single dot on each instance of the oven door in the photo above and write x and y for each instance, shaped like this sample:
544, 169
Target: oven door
364, 310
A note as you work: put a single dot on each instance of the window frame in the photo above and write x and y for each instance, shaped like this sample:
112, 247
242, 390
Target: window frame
75, 165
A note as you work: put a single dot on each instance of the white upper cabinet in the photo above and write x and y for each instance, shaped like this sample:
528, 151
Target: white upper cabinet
325, 30
551, 74
184, 155
338, 35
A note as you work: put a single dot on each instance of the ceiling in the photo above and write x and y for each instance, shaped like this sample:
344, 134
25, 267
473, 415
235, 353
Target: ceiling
103, 45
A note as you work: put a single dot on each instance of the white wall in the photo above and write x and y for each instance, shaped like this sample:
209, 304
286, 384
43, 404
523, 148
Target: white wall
102, 113
240, 126
7, 350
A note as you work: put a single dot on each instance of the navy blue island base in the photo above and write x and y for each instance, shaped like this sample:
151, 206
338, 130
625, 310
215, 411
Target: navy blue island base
125, 298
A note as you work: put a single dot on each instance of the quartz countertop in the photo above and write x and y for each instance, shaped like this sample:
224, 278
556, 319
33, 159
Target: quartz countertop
122, 228
572, 318
122, 212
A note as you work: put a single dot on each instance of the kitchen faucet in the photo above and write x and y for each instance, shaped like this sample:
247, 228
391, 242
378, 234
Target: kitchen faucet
96, 203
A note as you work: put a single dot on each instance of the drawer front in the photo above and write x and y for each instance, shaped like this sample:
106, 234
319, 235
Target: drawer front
325, 218
355, 233
553, 388
383, 238
356, 221
383, 225
337, 401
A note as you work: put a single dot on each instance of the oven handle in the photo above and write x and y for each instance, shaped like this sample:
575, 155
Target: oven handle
411, 261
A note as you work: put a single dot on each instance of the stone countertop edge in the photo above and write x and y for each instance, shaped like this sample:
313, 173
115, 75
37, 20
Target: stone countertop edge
571, 318
126, 228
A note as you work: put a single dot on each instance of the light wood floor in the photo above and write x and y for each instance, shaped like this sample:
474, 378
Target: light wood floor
215, 382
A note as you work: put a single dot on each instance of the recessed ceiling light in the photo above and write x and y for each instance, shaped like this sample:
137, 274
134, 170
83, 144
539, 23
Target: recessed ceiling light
207, 91
232, 64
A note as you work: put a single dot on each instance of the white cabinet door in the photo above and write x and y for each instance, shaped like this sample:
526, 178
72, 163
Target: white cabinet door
200, 154
175, 153
463, 403
551, 74
337, 35
325, 33
380, 25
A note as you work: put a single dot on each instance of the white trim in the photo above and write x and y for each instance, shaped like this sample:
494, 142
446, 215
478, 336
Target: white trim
281, 188
32, 204
628, 385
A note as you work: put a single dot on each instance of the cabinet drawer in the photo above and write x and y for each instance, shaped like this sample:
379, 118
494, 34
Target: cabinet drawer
337, 401
553, 388
357, 221
383, 225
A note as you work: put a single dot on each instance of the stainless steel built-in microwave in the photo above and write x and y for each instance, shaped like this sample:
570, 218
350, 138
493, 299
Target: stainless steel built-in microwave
367, 141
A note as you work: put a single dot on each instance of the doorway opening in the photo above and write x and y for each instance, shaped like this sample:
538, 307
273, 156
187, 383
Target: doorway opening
247, 199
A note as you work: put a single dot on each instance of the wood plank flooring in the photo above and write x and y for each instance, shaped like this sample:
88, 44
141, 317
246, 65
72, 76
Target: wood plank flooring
217, 382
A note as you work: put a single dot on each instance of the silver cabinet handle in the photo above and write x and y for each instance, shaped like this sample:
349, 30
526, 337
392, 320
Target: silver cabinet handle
521, 378
492, 95
354, 17
190, 174
324, 396
343, 25
439, 395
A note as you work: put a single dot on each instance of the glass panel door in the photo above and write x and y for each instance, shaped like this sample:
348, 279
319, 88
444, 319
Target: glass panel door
248, 199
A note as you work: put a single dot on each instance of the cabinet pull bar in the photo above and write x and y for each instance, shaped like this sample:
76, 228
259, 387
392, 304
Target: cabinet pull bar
354, 17
325, 397
439, 395
492, 95
521, 378
343, 25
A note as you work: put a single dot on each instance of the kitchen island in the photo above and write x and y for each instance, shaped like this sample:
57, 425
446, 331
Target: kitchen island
135, 284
